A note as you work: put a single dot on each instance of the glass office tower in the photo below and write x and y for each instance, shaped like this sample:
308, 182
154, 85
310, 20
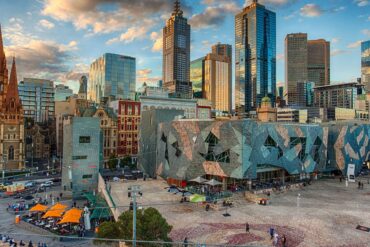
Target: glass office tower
196, 76
37, 97
255, 57
112, 75
365, 64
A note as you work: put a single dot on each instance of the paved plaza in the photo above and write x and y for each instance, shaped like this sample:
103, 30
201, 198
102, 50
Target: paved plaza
327, 215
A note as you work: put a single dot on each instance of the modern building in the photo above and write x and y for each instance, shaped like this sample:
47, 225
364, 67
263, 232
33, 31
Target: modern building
318, 62
266, 113
82, 155
365, 65
112, 75
37, 97
176, 55
305, 93
62, 92
255, 57
255, 151
295, 64
338, 95
196, 77
11, 119
292, 115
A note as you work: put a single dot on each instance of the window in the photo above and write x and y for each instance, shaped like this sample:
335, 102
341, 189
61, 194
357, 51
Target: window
11, 153
79, 157
84, 139
86, 176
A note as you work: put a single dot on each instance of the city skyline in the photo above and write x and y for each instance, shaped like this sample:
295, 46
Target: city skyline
70, 36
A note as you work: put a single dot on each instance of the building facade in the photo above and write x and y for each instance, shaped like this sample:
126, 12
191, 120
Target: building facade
37, 97
255, 57
365, 65
62, 92
291, 115
82, 155
129, 119
11, 122
266, 113
295, 64
82, 91
197, 77
305, 93
176, 55
112, 75
318, 62
338, 95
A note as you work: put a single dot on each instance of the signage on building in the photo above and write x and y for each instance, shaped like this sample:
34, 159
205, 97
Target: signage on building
351, 172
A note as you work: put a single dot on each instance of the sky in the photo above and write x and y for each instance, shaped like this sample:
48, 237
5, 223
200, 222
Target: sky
58, 39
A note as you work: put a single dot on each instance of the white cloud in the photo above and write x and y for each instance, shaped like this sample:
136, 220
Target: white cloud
366, 32
354, 44
46, 24
337, 52
130, 35
144, 75
335, 40
362, 3
311, 10
157, 37
277, 3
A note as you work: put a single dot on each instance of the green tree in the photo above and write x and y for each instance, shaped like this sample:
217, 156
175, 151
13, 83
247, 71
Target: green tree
150, 226
113, 161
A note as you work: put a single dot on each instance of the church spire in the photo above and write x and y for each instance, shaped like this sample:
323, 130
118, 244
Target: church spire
12, 100
1, 44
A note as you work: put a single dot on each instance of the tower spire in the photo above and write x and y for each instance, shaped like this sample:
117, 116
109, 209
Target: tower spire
1, 42
13, 84
177, 8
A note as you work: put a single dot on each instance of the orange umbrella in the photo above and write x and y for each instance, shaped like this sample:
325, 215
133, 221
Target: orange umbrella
71, 216
55, 211
39, 208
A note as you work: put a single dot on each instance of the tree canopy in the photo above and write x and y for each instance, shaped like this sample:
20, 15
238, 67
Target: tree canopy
150, 226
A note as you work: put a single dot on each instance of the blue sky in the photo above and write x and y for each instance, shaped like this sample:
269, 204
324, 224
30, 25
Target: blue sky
58, 39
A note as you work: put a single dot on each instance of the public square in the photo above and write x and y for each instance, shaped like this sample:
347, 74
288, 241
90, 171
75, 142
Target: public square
327, 215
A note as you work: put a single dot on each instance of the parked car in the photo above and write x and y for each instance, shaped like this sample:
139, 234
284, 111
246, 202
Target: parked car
30, 184
57, 180
47, 184
116, 179
27, 197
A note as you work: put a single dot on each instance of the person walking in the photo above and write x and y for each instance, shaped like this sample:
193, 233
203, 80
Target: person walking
272, 230
276, 239
30, 244
247, 227
185, 242
283, 241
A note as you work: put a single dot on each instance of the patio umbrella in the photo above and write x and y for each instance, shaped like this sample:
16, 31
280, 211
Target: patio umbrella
213, 182
197, 198
199, 180
38, 208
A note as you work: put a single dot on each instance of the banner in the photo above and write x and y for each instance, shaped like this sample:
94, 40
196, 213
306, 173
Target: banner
351, 173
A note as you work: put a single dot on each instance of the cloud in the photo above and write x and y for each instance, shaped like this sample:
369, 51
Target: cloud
311, 10
76, 72
46, 24
366, 32
213, 16
354, 44
337, 52
362, 3
157, 37
274, 3
130, 35
144, 75
335, 40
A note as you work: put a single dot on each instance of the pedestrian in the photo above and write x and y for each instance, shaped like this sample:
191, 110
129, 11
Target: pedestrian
21, 243
74, 204
61, 195
185, 242
39, 244
247, 227
30, 244
359, 185
272, 230
340, 179
276, 239
362, 185
283, 241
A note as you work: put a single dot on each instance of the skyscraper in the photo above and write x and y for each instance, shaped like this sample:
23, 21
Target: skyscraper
255, 57
295, 64
176, 54
62, 92
196, 77
318, 62
365, 65
37, 97
112, 75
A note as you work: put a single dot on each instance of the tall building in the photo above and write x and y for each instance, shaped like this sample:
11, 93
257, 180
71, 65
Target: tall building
255, 57
3, 71
365, 65
176, 55
82, 91
217, 83
196, 76
62, 92
37, 97
318, 62
112, 75
82, 155
11, 124
295, 64
305, 93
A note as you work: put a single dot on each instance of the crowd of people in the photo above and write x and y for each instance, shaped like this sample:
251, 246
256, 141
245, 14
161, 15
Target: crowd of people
11, 242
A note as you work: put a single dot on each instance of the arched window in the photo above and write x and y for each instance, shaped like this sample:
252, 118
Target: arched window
11, 153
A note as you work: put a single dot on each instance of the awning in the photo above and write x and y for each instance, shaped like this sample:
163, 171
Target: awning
39, 208
71, 216
101, 213
199, 180
55, 211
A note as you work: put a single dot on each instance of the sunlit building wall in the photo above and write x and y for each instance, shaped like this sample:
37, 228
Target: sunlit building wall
318, 62
365, 64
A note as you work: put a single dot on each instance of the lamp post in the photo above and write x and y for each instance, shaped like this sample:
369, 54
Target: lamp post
134, 190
